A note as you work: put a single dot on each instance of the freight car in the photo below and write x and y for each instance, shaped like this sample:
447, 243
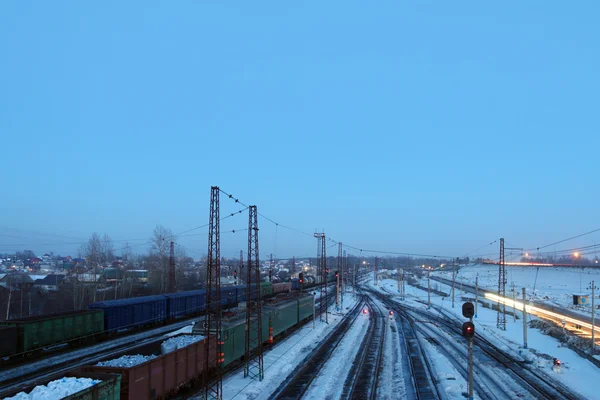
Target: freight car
35, 333
160, 376
132, 313
109, 387
8, 340
115, 316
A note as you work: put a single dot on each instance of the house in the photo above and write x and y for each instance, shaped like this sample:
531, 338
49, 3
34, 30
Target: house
50, 282
15, 281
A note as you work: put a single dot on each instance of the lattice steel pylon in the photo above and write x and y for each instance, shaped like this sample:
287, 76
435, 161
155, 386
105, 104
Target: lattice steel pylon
501, 320
241, 267
253, 358
213, 345
340, 268
172, 287
376, 270
346, 271
324, 304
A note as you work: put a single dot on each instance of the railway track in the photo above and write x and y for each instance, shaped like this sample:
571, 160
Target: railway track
297, 383
362, 380
424, 384
56, 372
537, 384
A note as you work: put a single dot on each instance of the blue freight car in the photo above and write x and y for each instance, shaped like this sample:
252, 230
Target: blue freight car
295, 284
182, 304
132, 313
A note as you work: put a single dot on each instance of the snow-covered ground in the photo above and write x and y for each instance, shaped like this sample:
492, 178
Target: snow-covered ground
329, 383
283, 358
57, 389
577, 373
549, 285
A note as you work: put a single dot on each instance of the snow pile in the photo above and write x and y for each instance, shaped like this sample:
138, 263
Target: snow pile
179, 342
126, 361
57, 389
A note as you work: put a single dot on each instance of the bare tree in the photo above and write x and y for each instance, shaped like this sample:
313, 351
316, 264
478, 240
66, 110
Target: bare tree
161, 238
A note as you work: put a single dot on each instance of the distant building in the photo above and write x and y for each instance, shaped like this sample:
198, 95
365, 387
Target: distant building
50, 282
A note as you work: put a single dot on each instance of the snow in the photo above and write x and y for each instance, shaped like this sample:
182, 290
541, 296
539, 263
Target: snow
553, 286
280, 361
185, 329
577, 373
126, 361
329, 383
179, 342
57, 389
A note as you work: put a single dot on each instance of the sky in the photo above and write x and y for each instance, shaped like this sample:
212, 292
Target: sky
422, 127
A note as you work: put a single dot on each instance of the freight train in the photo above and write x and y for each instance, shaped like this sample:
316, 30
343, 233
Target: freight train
174, 370
104, 319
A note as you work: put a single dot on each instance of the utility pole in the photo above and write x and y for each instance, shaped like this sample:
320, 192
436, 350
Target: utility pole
271, 268
322, 268
241, 266
524, 319
340, 270
471, 369
501, 318
253, 357
453, 280
398, 278
213, 389
514, 301
428, 289
376, 269
403, 293
593, 287
353, 280
476, 293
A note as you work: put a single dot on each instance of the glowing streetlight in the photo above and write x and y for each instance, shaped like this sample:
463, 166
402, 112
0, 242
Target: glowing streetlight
526, 254
576, 254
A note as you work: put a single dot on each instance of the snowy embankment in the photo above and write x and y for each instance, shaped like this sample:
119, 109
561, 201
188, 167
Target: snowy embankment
57, 389
549, 285
576, 372
283, 358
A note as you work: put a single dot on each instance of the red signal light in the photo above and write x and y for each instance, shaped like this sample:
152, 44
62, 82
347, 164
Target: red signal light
364, 311
391, 312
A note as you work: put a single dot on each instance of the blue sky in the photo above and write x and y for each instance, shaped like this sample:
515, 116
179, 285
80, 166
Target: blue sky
411, 126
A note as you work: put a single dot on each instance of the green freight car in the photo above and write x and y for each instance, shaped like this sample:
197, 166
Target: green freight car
234, 337
109, 387
266, 289
46, 330
281, 316
306, 307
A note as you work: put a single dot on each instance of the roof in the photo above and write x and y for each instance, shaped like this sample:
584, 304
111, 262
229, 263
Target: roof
52, 279
17, 278
125, 302
189, 293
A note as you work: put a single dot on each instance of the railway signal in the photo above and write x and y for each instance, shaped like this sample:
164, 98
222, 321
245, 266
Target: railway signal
468, 310
468, 330
301, 278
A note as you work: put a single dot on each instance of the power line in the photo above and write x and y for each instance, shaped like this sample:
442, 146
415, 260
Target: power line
565, 240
